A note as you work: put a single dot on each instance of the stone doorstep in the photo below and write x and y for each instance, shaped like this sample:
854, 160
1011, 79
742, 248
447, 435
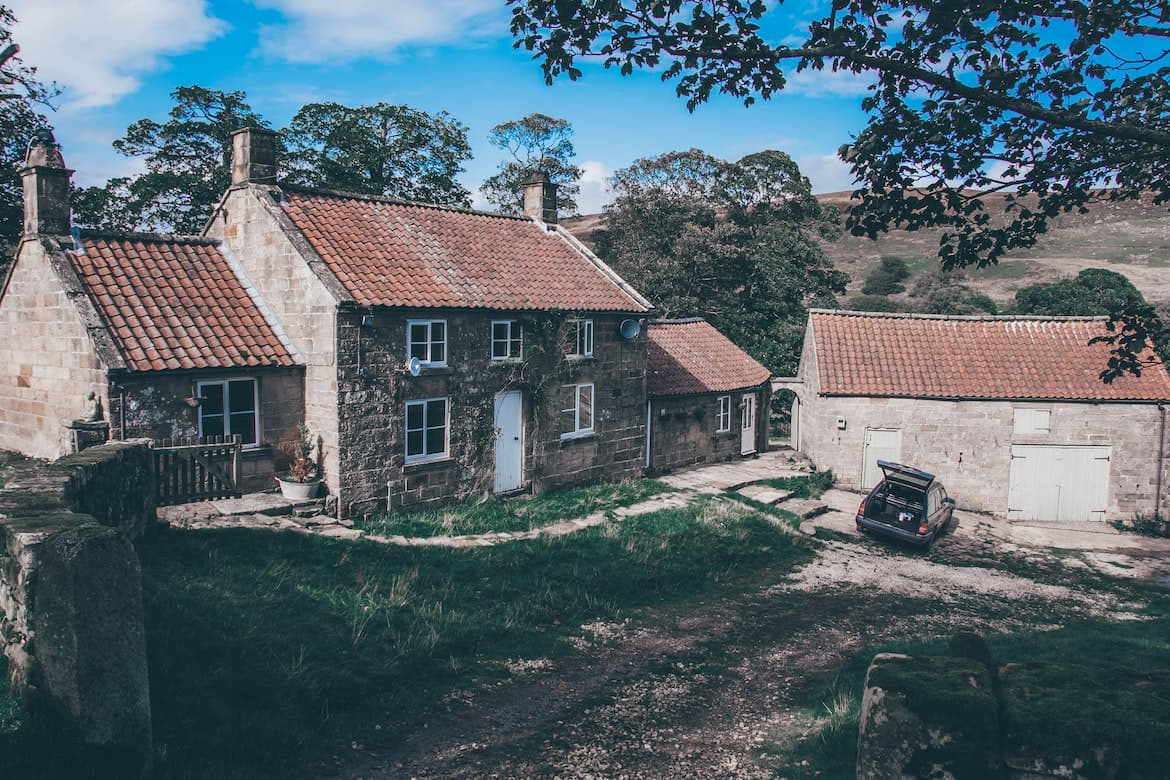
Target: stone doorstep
764, 494
804, 508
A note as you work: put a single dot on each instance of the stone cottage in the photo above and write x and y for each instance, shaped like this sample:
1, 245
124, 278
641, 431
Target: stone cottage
163, 331
707, 399
1009, 412
446, 351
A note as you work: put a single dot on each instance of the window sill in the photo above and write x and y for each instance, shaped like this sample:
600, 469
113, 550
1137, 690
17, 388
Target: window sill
506, 361
579, 358
415, 466
578, 436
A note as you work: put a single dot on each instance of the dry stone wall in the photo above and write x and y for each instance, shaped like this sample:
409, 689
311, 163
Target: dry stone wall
71, 614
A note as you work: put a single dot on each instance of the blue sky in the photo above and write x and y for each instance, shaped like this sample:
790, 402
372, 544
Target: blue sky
117, 61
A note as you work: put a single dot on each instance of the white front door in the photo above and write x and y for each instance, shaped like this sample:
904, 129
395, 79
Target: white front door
509, 441
880, 444
747, 424
1058, 482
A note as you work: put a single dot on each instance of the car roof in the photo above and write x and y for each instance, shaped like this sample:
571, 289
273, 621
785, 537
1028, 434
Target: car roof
905, 475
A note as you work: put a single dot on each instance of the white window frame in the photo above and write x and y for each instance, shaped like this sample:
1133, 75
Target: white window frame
227, 412
426, 457
582, 338
515, 338
430, 341
724, 414
575, 410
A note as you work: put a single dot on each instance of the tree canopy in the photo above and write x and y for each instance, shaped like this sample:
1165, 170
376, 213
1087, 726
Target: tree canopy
1094, 291
382, 149
534, 143
736, 243
21, 97
1055, 103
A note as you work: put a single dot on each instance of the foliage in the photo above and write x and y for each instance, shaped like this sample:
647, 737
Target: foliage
383, 149
811, 486
495, 515
880, 303
1146, 525
942, 292
1092, 291
1055, 103
20, 117
301, 467
736, 243
535, 143
310, 645
188, 165
886, 277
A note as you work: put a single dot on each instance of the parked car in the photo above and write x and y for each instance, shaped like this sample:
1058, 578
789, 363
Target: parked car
908, 504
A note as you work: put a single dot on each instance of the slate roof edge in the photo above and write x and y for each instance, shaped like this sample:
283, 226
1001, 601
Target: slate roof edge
1003, 399
960, 317
610, 274
347, 195
59, 253
265, 310
157, 238
264, 194
677, 321
723, 391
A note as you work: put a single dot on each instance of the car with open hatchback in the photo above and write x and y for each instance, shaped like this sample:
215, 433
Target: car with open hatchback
908, 504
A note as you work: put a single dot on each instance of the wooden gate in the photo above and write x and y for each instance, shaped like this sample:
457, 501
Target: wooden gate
197, 468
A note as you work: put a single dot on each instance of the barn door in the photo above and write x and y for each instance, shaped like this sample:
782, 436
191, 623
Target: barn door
880, 444
1060, 483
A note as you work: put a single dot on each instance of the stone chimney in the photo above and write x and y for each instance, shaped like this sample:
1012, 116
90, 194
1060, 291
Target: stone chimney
540, 198
254, 156
46, 187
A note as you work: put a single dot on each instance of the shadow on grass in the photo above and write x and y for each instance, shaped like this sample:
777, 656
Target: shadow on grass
272, 653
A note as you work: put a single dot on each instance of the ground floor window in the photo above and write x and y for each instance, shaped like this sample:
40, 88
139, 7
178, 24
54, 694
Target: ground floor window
230, 408
426, 429
724, 413
578, 412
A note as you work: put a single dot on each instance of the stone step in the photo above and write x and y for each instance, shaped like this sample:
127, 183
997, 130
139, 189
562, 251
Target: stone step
309, 509
765, 494
804, 508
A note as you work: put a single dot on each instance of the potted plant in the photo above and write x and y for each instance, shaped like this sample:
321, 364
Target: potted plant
303, 478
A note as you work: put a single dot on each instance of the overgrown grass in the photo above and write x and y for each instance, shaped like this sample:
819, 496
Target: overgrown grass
1105, 649
271, 653
811, 486
522, 513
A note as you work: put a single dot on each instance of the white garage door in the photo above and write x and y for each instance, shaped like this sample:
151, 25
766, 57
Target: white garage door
880, 444
1062, 483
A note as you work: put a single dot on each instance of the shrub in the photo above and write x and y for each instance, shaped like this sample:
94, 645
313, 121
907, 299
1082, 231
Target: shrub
886, 277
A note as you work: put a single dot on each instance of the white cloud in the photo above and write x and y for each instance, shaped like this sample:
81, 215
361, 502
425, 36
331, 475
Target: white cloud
595, 192
97, 49
332, 30
826, 172
827, 83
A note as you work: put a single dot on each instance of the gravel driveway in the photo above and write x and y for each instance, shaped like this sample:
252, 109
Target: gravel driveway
713, 690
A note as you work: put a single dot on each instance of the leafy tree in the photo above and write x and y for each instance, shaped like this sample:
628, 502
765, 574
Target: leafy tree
942, 292
736, 243
188, 165
535, 143
1094, 291
880, 303
382, 149
1055, 103
886, 277
20, 117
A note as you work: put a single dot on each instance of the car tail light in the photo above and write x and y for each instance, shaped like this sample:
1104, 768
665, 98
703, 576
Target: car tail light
923, 528
861, 508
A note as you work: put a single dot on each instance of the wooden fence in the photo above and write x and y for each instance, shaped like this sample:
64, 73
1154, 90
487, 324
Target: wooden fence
196, 468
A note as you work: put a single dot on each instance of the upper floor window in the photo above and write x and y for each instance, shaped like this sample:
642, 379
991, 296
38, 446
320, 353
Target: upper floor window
1032, 421
427, 341
506, 340
579, 411
581, 331
724, 413
426, 430
230, 408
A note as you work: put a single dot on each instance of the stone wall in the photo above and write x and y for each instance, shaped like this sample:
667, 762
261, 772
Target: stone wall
968, 444
71, 615
684, 430
374, 386
47, 360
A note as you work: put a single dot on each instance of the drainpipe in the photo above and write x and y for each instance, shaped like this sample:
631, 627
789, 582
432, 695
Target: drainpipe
648, 420
1161, 452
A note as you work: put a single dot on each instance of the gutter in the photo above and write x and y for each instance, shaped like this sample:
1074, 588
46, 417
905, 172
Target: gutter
649, 422
1161, 462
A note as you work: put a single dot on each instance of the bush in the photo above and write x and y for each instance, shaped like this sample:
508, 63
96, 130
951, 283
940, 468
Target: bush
886, 277
872, 303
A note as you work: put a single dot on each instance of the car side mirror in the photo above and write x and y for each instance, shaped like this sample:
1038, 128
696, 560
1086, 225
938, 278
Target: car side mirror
949, 500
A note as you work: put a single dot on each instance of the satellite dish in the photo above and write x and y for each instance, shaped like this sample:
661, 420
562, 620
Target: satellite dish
630, 329
414, 366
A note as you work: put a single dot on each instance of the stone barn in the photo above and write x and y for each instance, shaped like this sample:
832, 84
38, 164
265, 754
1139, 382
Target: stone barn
707, 399
1009, 412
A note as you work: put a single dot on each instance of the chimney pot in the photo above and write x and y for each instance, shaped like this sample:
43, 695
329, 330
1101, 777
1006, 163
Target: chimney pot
254, 156
540, 198
45, 181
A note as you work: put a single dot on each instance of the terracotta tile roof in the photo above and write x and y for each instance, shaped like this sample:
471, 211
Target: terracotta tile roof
395, 253
923, 356
690, 356
174, 303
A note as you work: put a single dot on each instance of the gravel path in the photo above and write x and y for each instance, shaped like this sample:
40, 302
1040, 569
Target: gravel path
705, 692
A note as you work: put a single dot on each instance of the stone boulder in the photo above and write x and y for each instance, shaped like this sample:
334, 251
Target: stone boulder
928, 717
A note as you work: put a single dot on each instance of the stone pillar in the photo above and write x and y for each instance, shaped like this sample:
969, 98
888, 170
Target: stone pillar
540, 198
45, 180
84, 433
254, 156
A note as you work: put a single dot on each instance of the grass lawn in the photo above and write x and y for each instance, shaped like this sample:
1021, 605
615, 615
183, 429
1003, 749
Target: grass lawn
811, 486
522, 513
270, 653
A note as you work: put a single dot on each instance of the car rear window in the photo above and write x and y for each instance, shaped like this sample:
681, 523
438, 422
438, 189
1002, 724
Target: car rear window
902, 495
